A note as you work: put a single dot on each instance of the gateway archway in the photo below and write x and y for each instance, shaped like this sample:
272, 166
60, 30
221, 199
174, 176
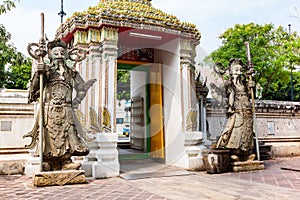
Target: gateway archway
146, 111
132, 32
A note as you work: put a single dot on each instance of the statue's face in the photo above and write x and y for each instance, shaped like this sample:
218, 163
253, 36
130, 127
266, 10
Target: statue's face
58, 53
236, 70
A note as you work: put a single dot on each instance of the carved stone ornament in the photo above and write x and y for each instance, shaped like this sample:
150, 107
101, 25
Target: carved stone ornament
191, 120
106, 124
238, 132
62, 134
59, 178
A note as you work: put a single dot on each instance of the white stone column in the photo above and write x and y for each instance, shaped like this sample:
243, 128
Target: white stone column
107, 156
193, 145
94, 68
109, 49
187, 64
193, 139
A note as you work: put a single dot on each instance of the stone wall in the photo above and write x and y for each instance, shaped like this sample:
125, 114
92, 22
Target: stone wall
16, 119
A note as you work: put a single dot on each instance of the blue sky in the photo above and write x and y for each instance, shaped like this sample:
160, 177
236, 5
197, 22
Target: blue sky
212, 17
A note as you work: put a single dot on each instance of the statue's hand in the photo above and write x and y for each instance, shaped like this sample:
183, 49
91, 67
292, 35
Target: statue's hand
230, 110
75, 103
251, 84
40, 68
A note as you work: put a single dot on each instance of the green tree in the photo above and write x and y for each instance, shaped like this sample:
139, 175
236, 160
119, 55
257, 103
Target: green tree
19, 74
123, 86
274, 51
18, 65
7, 5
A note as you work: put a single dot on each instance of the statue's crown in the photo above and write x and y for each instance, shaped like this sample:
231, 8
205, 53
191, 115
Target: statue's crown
56, 43
235, 61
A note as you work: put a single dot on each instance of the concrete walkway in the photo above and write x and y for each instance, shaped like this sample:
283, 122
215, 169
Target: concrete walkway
271, 183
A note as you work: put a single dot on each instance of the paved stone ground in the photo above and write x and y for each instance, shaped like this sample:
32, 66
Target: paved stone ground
272, 183
274, 175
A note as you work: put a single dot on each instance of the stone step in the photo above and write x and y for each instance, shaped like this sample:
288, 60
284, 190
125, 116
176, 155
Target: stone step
7, 151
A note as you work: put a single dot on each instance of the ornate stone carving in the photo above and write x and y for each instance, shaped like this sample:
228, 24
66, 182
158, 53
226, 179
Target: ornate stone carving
94, 118
109, 34
59, 178
238, 133
131, 13
191, 120
106, 123
93, 36
62, 133
80, 116
80, 37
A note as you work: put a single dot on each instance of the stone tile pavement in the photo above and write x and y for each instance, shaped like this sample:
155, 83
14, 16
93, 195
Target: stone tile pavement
274, 174
271, 183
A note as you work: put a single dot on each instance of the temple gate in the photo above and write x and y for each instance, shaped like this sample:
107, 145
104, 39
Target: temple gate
159, 51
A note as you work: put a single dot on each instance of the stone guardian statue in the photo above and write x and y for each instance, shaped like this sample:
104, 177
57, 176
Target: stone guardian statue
237, 135
63, 136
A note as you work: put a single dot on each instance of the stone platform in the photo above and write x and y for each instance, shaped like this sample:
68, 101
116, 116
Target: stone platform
247, 166
59, 178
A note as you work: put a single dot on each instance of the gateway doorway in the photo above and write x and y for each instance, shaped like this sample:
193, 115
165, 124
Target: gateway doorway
143, 114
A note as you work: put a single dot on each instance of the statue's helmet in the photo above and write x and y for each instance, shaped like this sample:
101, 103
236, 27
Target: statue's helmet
233, 62
55, 43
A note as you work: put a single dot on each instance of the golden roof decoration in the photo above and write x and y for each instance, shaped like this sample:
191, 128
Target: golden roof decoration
136, 12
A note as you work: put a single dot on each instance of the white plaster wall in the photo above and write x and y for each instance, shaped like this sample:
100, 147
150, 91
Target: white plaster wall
111, 90
138, 81
15, 109
216, 124
20, 126
284, 126
137, 84
174, 137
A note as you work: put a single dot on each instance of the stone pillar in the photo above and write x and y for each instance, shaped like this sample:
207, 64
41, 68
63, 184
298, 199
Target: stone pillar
109, 49
201, 93
193, 138
90, 159
103, 159
94, 68
187, 73
107, 156
193, 145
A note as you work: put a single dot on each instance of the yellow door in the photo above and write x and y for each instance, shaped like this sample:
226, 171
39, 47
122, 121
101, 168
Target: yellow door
156, 113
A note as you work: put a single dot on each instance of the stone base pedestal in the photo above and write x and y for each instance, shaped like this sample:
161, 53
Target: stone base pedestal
216, 160
193, 144
103, 159
59, 178
247, 166
105, 169
32, 166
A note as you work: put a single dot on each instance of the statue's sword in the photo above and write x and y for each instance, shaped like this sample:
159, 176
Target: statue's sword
39, 55
251, 71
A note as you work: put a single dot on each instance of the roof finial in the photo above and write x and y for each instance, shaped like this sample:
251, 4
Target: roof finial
62, 13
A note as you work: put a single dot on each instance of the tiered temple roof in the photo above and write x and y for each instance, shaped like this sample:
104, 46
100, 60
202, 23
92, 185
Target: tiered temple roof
127, 13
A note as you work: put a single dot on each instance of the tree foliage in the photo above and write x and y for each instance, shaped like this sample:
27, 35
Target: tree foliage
19, 74
274, 53
7, 5
123, 86
15, 68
